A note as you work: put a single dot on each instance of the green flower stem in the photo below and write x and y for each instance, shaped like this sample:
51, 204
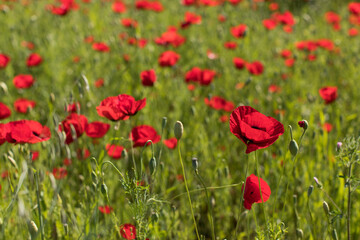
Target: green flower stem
262, 199
38, 205
187, 190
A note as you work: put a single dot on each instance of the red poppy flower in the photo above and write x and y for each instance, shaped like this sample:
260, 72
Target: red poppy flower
221, 18
274, 88
105, 209
26, 131
97, 129
252, 191
3, 129
5, 112
354, 8
148, 78
28, 45
234, 2
168, 59
128, 22
230, 45
23, 81
193, 75
171, 143
352, 33
239, 63
4, 60
89, 39
101, 47
4, 174
269, 24
286, 18
327, 127
204, 77
238, 31
273, 6
190, 18
120, 107
254, 128
332, 18
118, 7
35, 155
171, 36
219, 103
290, 62
67, 162
82, 154
286, 53
255, 68
224, 118
114, 151
33, 60
141, 134
99, 83
128, 231
148, 5
22, 105
61, 10
78, 123
329, 94
59, 173
73, 107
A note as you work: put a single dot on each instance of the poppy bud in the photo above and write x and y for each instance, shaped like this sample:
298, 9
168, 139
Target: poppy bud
303, 124
334, 234
310, 189
164, 121
195, 164
318, 183
226, 171
124, 154
299, 233
152, 165
104, 189
326, 208
52, 97
293, 147
338, 146
66, 228
33, 228
178, 130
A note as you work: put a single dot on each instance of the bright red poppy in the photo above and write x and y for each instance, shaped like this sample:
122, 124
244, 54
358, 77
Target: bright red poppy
83, 153
203, 77
114, 151
149, 5
168, 59
120, 107
252, 191
5, 111
3, 129
329, 94
99, 83
73, 107
128, 22
238, 31
35, 155
23, 81
254, 128
190, 18
128, 231
239, 62
141, 134
101, 47
118, 7
105, 209
148, 78
171, 143
4, 60
97, 129
219, 103
354, 8
171, 36
26, 131
255, 68
76, 122
230, 45
22, 105
33, 60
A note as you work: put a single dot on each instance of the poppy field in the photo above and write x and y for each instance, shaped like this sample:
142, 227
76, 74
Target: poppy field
179, 119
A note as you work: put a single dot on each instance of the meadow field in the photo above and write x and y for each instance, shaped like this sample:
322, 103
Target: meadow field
179, 119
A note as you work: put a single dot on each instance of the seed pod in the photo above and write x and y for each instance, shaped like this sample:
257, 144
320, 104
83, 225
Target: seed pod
293, 147
164, 121
195, 164
152, 165
33, 228
326, 208
178, 130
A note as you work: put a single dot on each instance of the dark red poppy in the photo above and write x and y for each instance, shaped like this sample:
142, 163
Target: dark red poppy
148, 78
141, 134
120, 107
128, 231
238, 31
101, 47
255, 68
239, 62
73, 107
33, 60
97, 129
26, 131
5, 112
77, 122
105, 209
59, 173
23, 81
170, 143
254, 128
114, 151
67, 162
168, 59
22, 105
252, 191
4, 60
118, 7
329, 94
35, 155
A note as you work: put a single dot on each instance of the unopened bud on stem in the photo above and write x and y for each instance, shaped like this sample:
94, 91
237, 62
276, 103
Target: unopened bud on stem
178, 130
